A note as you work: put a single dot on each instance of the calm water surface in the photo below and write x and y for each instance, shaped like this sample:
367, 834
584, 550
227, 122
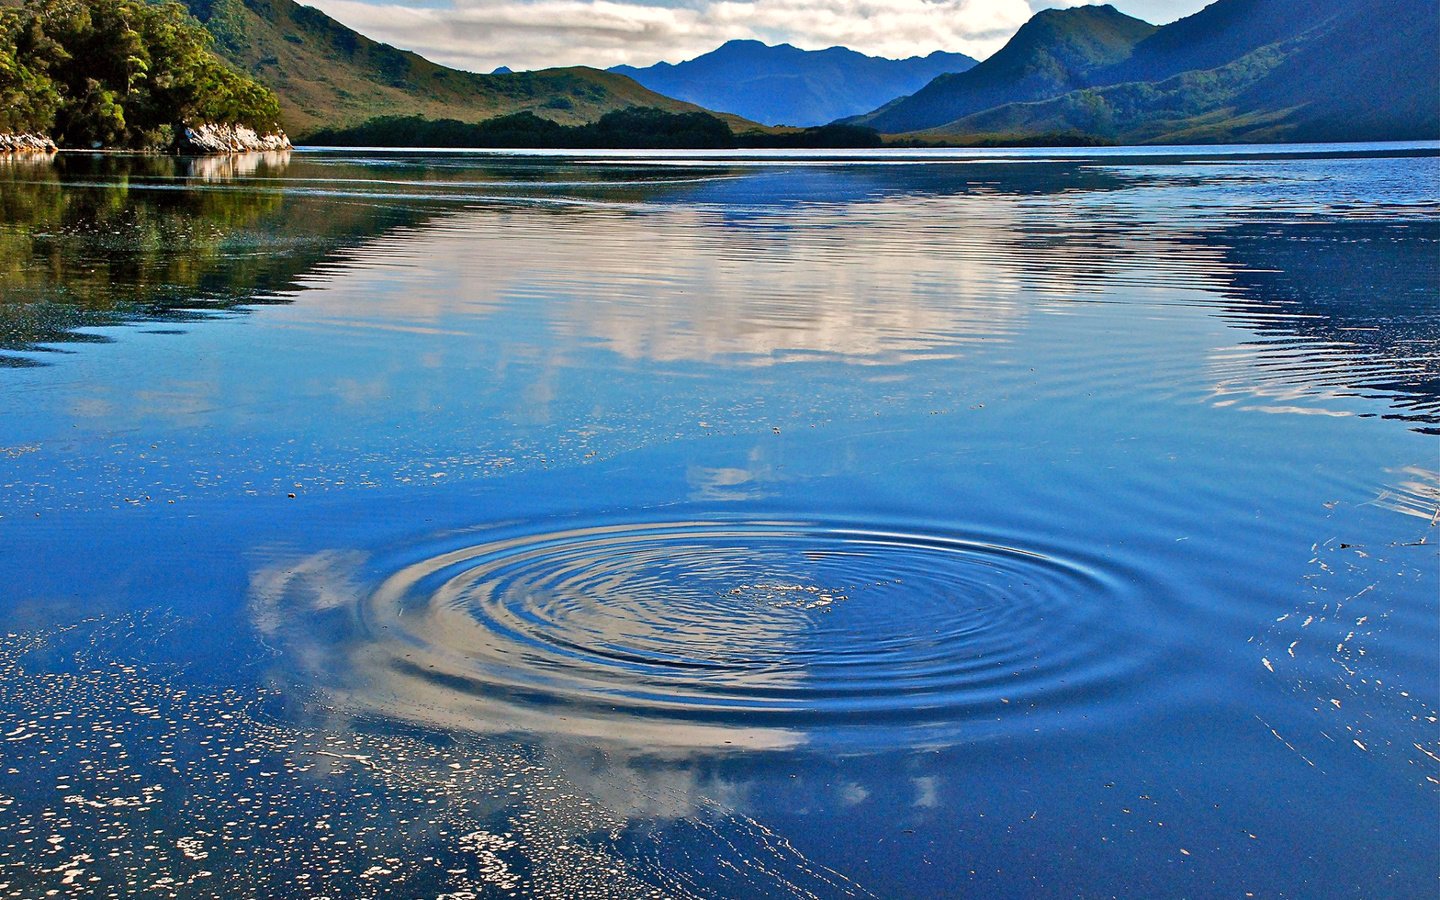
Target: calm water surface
915, 525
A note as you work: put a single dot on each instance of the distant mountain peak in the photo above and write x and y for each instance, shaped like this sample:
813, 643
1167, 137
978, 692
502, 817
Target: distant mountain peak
1078, 21
1087, 11
735, 43
1050, 54
784, 85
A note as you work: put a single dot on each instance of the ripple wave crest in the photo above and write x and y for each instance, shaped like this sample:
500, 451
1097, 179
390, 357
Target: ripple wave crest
755, 633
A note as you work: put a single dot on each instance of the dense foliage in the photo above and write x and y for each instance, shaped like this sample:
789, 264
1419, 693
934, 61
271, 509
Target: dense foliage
637, 128
118, 73
825, 137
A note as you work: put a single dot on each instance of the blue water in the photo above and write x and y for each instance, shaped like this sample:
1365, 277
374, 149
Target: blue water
923, 524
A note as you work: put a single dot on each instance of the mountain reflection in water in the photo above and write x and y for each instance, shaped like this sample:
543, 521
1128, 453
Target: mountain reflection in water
730, 271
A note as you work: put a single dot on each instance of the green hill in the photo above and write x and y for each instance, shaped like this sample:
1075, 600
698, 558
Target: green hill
330, 76
1051, 54
1291, 71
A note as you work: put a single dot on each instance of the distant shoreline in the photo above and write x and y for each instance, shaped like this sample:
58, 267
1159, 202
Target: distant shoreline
1286, 149
1289, 150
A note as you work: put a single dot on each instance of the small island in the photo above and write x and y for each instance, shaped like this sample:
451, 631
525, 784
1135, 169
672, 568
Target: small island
124, 75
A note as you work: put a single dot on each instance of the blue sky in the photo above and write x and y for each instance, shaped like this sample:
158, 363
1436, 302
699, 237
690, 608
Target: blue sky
527, 34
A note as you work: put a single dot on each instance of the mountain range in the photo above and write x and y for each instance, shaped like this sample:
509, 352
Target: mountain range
328, 76
784, 85
1238, 70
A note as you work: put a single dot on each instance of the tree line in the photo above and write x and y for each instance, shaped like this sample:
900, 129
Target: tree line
126, 74
639, 128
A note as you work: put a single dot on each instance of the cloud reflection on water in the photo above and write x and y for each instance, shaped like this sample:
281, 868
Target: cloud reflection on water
310, 606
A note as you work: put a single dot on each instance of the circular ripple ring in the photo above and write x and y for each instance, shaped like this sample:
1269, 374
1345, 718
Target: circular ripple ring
679, 629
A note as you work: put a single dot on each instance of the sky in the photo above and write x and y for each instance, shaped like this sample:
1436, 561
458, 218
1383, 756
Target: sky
531, 34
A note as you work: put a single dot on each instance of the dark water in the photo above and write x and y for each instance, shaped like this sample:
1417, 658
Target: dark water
921, 525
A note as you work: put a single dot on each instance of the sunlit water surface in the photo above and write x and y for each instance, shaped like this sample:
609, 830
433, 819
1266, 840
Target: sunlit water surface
928, 524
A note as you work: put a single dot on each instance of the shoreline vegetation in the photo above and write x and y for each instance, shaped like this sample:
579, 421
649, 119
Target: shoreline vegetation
644, 128
124, 75
638, 128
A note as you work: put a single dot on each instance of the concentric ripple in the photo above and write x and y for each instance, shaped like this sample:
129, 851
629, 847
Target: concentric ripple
758, 632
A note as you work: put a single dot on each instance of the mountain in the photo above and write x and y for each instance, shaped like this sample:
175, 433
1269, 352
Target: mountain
784, 85
1219, 34
328, 75
1256, 71
1050, 54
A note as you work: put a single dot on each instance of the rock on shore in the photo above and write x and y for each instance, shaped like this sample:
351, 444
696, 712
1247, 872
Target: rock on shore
24, 142
229, 139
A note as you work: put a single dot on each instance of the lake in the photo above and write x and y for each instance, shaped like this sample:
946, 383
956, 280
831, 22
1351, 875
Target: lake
932, 523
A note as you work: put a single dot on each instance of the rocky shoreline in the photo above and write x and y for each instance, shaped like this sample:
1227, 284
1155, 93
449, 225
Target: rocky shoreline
25, 142
199, 140
203, 139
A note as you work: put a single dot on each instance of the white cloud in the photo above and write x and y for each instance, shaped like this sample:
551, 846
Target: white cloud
525, 34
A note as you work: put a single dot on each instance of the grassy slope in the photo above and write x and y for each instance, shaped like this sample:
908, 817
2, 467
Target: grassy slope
1049, 55
1289, 71
328, 75
1219, 34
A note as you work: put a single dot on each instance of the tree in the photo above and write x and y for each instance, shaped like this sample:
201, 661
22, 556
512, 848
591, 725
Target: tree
119, 73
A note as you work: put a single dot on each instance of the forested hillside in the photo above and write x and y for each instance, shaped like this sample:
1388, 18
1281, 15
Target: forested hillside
118, 73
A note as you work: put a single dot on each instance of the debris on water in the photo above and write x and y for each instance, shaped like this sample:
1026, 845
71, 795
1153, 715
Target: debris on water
408, 820
783, 596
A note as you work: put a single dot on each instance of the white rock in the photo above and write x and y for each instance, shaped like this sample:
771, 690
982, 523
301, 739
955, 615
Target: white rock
229, 139
23, 142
